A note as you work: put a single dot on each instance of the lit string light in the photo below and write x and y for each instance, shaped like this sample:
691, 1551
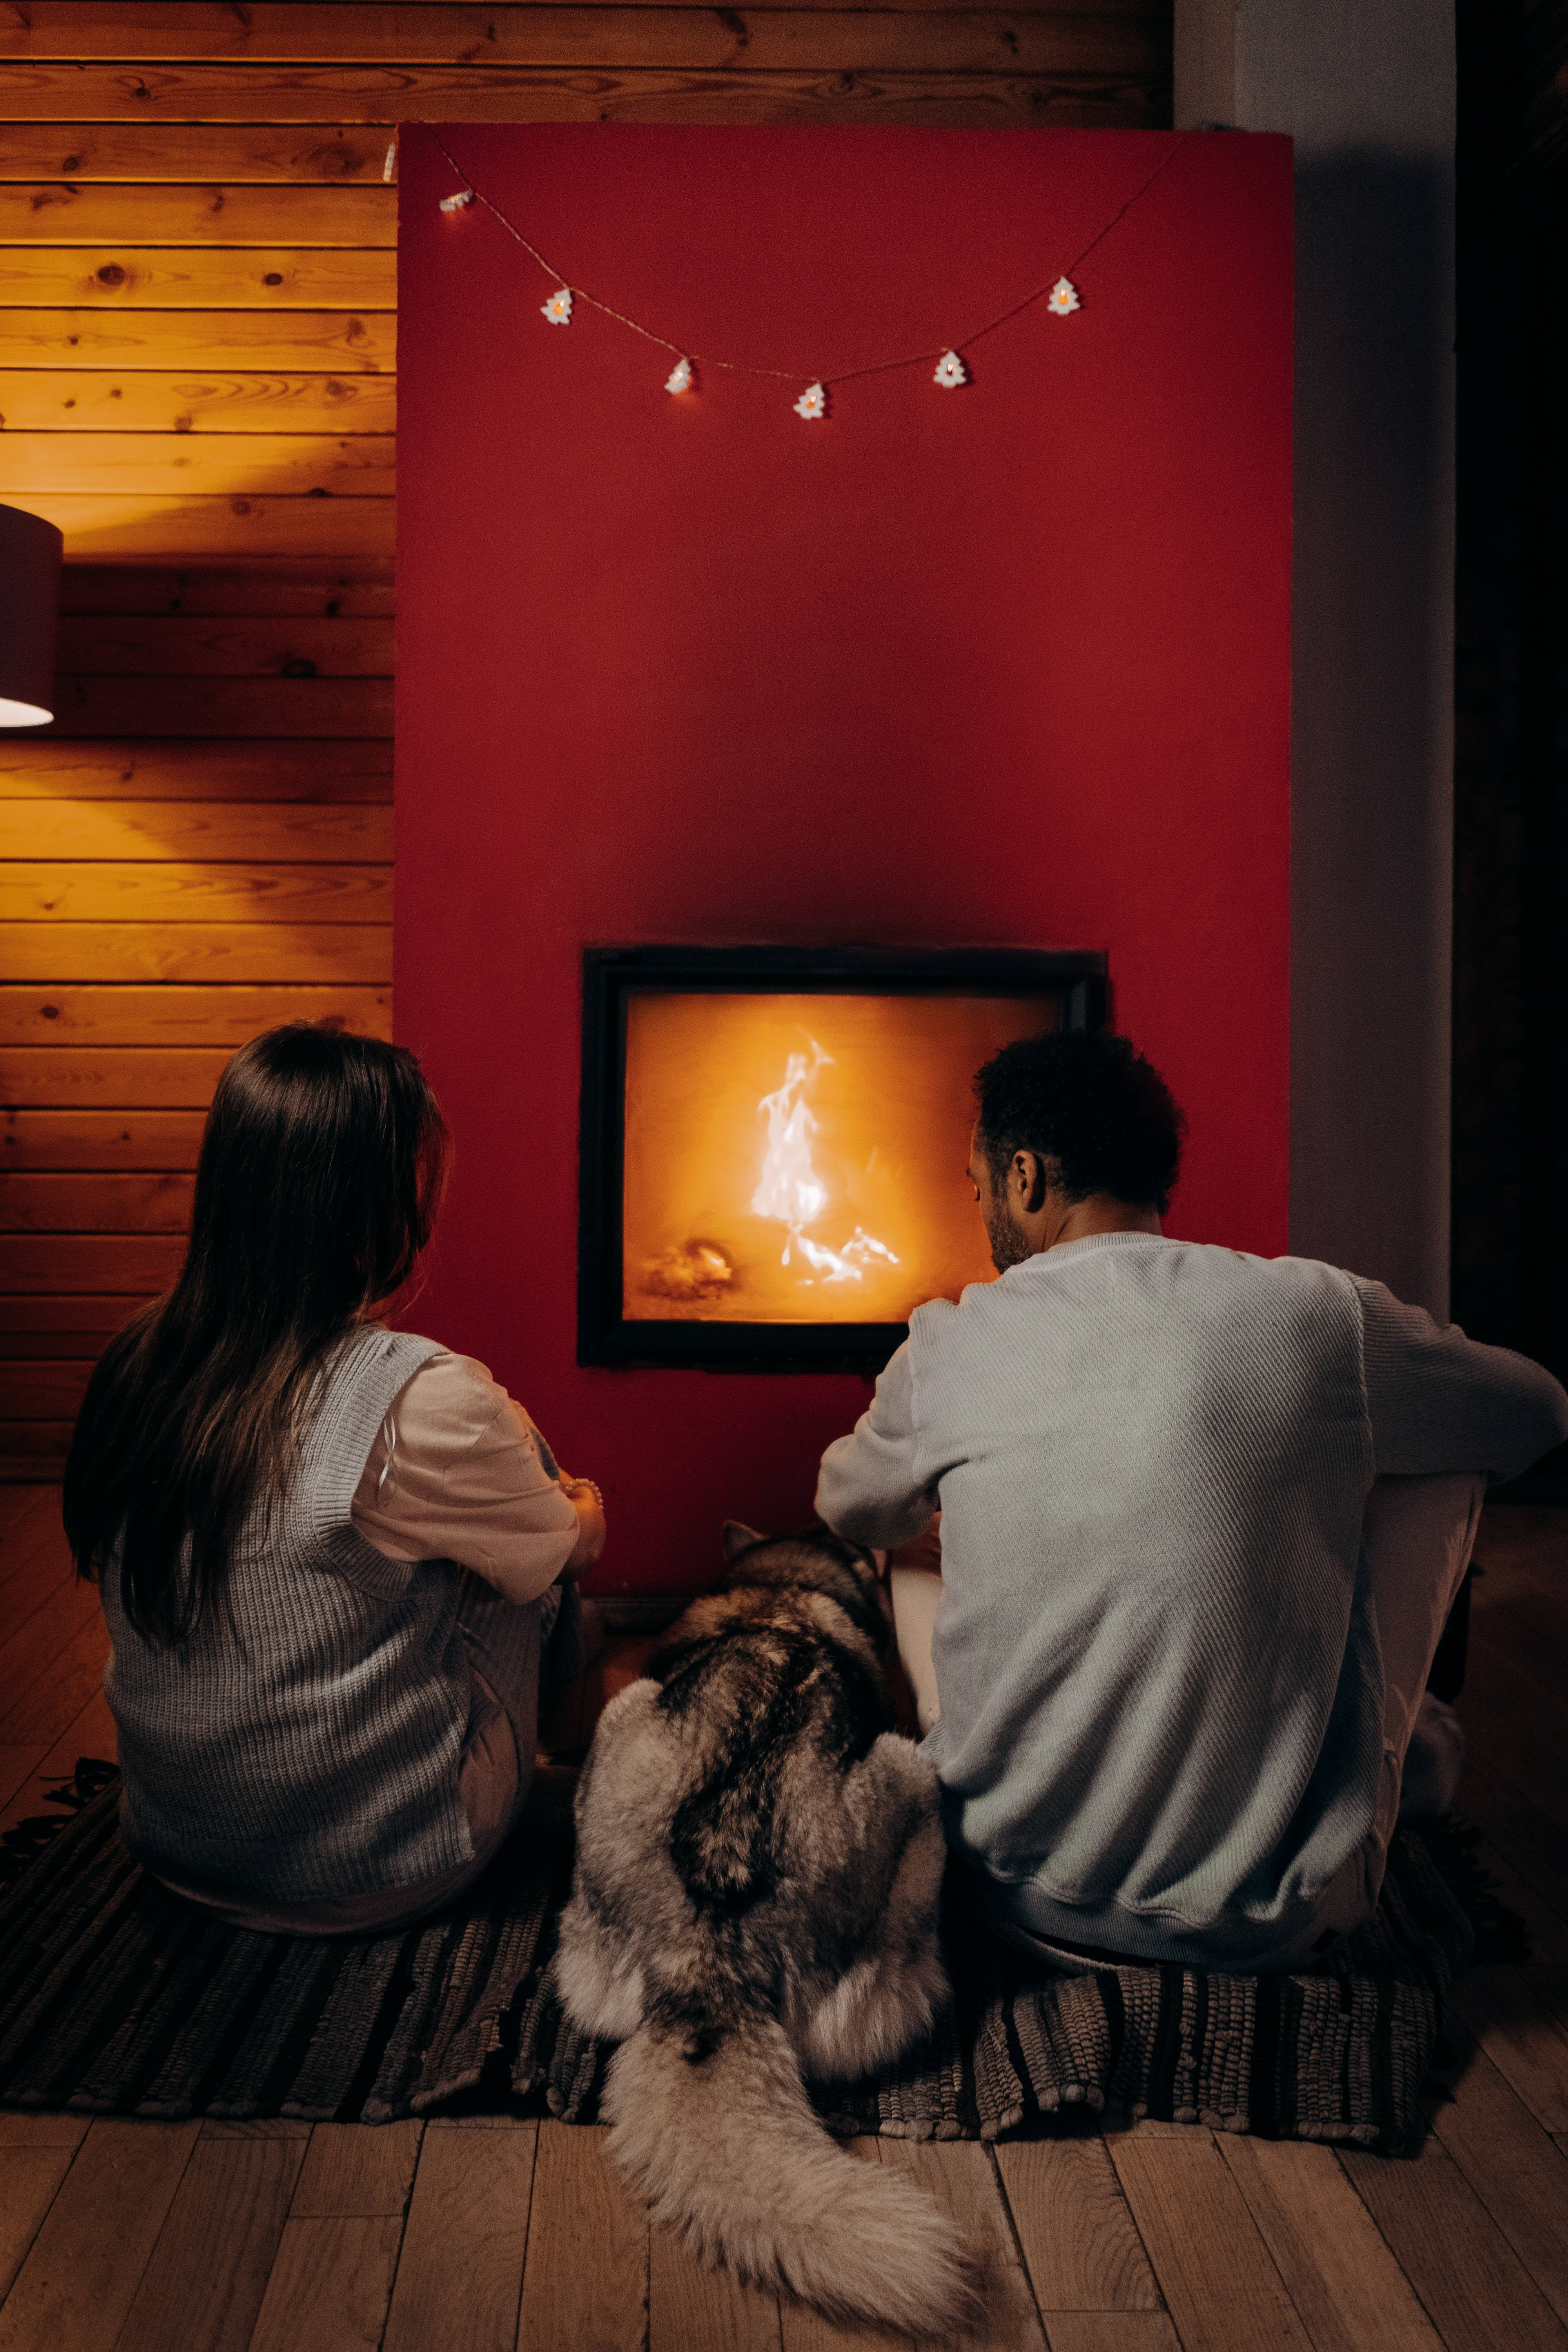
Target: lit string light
1061, 300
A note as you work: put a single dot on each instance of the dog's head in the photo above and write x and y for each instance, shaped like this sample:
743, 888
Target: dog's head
816, 1560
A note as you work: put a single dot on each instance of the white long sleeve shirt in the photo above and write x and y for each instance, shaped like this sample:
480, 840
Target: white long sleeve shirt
1155, 1653
458, 1472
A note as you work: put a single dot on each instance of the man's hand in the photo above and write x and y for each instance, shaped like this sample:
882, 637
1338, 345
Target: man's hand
584, 1498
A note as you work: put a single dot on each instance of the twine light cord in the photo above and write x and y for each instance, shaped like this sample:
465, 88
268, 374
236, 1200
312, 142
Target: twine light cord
798, 375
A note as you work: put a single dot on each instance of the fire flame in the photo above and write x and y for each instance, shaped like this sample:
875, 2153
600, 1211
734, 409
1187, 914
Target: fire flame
790, 1190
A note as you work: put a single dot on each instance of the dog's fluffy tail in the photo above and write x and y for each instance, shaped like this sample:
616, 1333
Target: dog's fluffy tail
716, 2132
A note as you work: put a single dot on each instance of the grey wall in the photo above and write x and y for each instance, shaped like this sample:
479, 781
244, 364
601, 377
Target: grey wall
1366, 88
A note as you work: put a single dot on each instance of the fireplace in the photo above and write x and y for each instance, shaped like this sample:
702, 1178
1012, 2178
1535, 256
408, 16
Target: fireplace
773, 1143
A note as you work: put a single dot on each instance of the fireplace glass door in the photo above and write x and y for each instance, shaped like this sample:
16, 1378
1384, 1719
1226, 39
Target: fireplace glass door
775, 1141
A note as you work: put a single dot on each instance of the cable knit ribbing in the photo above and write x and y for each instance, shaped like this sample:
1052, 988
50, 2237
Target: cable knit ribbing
304, 1740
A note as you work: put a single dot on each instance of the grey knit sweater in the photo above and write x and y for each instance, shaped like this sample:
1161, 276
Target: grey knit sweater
304, 1742
1155, 1654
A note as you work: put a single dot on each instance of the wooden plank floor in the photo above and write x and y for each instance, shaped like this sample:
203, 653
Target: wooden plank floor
483, 2236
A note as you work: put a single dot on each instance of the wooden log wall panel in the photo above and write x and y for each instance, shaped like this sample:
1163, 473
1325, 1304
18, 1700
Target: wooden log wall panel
276, 342
951, 97
28, 1392
288, 833
166, 1078
186, 645
112, 1143
451, 31
45, 768
205, 952
55, 213
156, 400
52, 1328
175, 464
36, 1448
51, 1264
350, 590
258, 525
337, 154
106, 891
459, 47
245, 707
199, 278
198, 356
85, 1204
122, 1015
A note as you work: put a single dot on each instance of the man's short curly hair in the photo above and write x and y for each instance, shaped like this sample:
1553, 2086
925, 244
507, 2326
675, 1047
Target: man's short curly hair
1091, 1104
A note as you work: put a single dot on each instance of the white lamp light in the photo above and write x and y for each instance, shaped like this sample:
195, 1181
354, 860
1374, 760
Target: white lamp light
30, 555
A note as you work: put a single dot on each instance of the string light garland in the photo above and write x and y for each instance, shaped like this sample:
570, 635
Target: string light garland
1061, 300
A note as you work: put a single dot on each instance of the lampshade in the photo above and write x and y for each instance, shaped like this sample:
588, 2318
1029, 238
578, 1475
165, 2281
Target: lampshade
30, 551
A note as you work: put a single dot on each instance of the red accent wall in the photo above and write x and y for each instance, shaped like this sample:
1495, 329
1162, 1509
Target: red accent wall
1004, 666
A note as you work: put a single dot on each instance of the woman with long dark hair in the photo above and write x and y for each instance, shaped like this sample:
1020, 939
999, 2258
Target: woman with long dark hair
329, 1552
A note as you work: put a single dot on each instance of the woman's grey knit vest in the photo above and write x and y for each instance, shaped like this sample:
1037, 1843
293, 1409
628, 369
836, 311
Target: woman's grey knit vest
304, 1742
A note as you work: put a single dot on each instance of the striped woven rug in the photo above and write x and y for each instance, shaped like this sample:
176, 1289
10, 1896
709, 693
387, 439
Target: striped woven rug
117, 1999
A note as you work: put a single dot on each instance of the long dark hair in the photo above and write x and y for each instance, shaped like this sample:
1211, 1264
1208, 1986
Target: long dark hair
320, 1173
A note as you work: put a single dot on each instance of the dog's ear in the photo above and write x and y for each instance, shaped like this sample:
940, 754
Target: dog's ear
737, 1538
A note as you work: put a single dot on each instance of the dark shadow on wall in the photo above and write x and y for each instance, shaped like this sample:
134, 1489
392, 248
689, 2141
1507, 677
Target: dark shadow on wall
1370, 843
1510, 942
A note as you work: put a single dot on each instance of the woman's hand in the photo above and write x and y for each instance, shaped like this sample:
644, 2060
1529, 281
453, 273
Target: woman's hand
584, 1498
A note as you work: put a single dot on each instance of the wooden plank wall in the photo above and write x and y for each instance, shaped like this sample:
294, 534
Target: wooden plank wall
197, 273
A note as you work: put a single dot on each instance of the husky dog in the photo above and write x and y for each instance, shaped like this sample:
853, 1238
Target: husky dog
759, 1858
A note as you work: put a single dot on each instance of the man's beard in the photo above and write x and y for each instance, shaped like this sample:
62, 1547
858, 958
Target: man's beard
1009, 1246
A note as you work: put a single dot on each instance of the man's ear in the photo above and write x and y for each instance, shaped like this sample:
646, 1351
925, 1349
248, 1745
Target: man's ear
1035, 1176
737, 1538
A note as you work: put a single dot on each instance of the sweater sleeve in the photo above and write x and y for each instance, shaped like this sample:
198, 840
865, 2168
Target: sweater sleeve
1439, 1401
868, 1489
458, 1472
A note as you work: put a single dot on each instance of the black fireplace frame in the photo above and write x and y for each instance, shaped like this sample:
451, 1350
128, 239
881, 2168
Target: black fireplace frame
610, 975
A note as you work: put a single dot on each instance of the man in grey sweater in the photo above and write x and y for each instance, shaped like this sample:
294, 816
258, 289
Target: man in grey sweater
1202, 1516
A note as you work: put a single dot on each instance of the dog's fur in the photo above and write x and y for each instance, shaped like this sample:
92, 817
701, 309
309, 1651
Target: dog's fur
759, 1858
